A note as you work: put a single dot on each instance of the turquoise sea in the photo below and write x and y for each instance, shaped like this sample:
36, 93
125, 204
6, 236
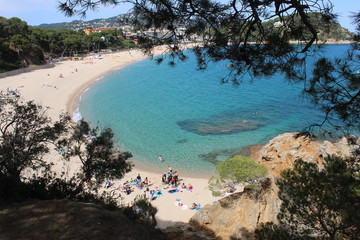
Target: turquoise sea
188, 117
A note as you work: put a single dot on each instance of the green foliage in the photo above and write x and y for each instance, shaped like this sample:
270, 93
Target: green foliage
240, 168
96, 152
327, 28
334, 86
21, 45
16, 48
252, 187
321, 204
25, 135
234, 170
216, 193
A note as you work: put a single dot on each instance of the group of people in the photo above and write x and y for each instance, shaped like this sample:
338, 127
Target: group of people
138, 182
152, 194
188, 187
171, 177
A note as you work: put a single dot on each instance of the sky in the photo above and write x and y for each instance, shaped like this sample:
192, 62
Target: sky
36, 12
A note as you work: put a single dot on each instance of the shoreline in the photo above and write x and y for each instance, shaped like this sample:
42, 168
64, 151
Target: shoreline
59, 88
74, 98
73, 103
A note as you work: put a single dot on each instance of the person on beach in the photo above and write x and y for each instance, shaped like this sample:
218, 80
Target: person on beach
169, 177
138, 178
128, 190
61, 76
190, 187
151, 195
173, 181
183, 186
146, 181
117, 149
108, 183
170, 169
160, 158
194, 206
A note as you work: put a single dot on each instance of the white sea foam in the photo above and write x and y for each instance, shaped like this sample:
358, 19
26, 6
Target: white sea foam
100, 78
76, 116
87, 89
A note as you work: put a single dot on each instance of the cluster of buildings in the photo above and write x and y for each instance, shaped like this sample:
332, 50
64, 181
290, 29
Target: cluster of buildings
128, 33
123, 23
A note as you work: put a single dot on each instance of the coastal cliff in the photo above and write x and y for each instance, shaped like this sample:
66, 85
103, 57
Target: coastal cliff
238, 215
281, 152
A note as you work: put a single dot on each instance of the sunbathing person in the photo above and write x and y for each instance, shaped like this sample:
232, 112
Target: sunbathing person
193, 206
146, 181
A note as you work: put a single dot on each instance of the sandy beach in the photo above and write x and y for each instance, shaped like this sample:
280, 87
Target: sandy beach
59, 88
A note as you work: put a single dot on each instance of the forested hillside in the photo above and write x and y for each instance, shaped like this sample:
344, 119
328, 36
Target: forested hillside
22, 45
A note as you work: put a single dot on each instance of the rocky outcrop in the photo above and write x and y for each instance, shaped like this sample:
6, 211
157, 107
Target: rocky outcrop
282, 151
238, 215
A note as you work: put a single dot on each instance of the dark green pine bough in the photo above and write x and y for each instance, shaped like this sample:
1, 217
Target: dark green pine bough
227, 31
317, 204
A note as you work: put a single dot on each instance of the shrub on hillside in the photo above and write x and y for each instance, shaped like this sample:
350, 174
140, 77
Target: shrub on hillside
234, 170
240, 168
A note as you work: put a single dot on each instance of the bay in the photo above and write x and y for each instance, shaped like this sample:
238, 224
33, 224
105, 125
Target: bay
191, 119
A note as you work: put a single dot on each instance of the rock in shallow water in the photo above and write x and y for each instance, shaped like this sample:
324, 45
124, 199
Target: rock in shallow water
213, 126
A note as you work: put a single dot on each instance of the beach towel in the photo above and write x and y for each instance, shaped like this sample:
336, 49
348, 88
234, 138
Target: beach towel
159, 193
173, 191
184, 207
